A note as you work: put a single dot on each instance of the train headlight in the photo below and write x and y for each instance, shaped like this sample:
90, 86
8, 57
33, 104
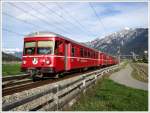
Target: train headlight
24, 62
47, 61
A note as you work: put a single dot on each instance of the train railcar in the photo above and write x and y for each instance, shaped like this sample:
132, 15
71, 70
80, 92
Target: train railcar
47, 53
102, 59
110, 60
113, 61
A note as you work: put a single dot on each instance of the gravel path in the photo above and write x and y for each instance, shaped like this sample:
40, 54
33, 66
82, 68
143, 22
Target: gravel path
124, 77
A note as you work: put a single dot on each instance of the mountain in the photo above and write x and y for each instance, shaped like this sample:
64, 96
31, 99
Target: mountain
129, 40
9, 57
18, 54
14, 52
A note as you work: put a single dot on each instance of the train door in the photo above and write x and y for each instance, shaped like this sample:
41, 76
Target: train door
99, 59
67, 56
59, 52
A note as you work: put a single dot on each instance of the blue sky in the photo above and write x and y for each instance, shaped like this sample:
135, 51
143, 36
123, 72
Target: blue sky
75, 20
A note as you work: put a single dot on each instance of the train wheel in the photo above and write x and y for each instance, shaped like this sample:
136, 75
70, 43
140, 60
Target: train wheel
33, 75
41, 75
34, 78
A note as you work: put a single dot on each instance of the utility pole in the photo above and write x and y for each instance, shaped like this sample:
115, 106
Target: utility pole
145, 58
119, 55
133, 56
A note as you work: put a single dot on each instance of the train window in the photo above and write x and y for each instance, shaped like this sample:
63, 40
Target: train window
100, 56
78, 52
30, 44
45, 50
81, 52
45, 44
94, 55
73, 51
88, 54
59, 47
29, 51
85, 53
30, 48
45, 47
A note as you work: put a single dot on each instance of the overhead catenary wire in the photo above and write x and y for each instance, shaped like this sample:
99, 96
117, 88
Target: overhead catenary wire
24, 21
73, 18
98, 17
22, 10
34, 16
58, 15
44, 20
10, 31
51, 24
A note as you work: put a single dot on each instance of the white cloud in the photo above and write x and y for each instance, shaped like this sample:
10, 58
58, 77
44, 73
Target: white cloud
134, 18
130, 15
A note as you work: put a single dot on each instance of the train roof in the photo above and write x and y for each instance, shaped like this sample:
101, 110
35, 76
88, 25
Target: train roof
43, 33
52, 34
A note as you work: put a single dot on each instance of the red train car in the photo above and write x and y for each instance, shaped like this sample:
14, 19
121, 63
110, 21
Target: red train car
46, 52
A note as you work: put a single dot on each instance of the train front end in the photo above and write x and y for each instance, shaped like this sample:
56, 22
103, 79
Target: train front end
38, 57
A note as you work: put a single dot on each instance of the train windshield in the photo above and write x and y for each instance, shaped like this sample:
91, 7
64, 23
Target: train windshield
30, 48
45, 47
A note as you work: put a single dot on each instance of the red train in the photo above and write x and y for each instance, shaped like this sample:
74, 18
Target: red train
47, 53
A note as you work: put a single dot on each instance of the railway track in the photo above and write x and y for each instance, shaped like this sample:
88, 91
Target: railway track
12, 86
61, 92
10, 81
17, 77
17, 84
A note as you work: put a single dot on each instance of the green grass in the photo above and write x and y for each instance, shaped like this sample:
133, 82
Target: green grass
107, 95
11, 69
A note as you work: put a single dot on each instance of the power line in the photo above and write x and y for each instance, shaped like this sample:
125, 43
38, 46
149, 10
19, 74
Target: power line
97, 16
10, 31
22, 10
66, 12
24, 21
27, 12
44, 19
54, 12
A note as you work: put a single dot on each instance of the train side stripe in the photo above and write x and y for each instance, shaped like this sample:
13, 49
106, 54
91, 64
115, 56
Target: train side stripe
61, 56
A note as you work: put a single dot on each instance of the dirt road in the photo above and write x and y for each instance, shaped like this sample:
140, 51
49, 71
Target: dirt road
124, 77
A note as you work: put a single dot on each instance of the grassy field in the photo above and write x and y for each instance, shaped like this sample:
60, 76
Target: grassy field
11, 69
107, 95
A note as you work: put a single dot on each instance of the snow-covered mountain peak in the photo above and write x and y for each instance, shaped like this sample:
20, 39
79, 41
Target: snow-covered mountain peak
134, 39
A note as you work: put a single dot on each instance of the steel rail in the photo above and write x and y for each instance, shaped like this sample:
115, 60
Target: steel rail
15, 77
15, 83
68, 87
30, 85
